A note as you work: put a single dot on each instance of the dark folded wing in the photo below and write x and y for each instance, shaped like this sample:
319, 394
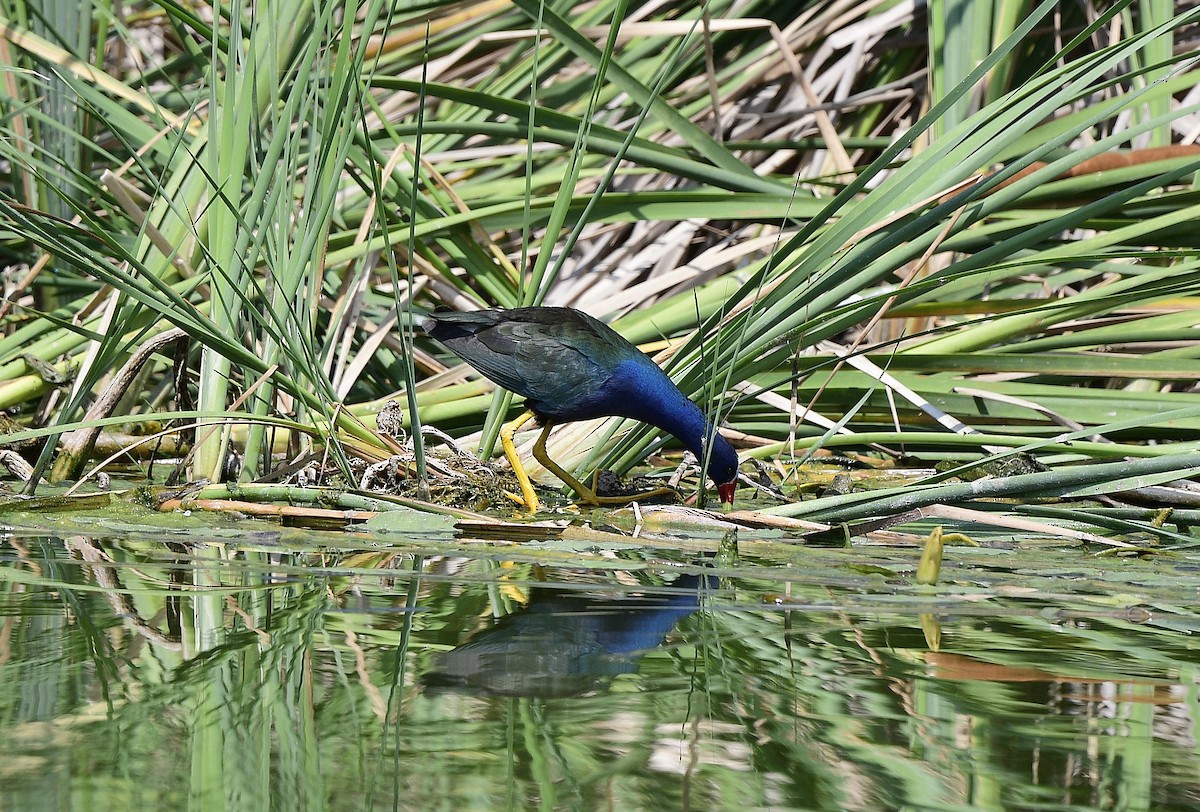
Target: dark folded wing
549, 356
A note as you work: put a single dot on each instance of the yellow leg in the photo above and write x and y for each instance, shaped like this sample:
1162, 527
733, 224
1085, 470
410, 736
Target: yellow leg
585, 493
510, 451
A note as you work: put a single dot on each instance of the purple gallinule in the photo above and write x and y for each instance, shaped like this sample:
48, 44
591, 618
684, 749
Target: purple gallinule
569, 366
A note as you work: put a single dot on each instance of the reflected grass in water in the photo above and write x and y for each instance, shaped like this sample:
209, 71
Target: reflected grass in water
248, 666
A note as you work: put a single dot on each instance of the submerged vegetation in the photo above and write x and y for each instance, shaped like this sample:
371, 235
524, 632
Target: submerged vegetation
901, 236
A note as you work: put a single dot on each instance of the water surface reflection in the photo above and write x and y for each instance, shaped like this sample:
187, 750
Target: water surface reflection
564, 643
227, 674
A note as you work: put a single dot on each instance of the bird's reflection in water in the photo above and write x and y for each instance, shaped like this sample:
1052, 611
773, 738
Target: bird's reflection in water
565, 643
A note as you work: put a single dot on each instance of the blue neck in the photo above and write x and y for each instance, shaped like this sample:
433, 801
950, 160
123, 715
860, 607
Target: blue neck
684, 419
653, 398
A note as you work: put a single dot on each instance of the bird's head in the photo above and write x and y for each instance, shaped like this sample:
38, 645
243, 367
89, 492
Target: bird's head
723, 468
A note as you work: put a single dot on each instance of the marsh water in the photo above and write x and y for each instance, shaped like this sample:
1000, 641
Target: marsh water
239, 665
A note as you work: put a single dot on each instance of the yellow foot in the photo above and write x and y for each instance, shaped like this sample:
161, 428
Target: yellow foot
590, 497
586, 495
528, 497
